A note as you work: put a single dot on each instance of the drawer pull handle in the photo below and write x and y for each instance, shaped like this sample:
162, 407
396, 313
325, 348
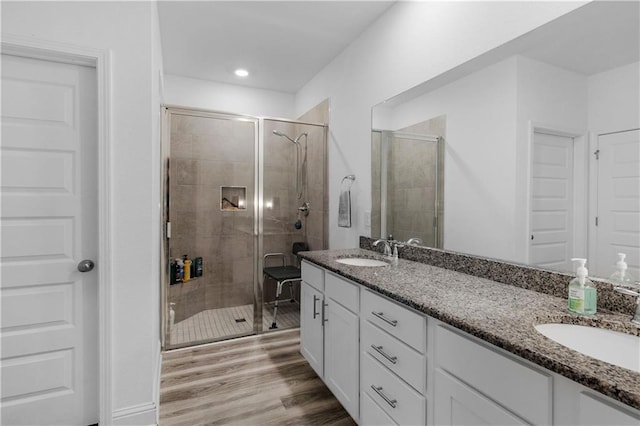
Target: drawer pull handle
385, 319
378, 390
391, 359
324, 316
315, 299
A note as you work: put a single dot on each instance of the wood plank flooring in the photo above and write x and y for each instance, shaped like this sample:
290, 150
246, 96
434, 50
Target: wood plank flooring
257, 380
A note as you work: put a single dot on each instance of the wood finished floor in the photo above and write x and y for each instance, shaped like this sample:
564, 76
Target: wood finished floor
258, 380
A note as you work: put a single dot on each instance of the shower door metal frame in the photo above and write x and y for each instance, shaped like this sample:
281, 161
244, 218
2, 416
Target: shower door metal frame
385, 141
167, 111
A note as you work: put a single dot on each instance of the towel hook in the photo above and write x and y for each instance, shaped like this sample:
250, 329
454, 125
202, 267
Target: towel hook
350, 178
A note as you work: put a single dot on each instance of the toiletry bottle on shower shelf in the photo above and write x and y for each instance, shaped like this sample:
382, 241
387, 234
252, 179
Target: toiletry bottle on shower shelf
179, 270
199, 266
173, 272
582, 293
187, 268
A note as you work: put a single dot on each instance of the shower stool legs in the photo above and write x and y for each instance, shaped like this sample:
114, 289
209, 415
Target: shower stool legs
278, 293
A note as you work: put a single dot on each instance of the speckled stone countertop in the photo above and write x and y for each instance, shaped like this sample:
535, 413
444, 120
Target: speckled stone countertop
501, 314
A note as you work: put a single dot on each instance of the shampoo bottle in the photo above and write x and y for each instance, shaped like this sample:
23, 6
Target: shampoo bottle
187, 268
179, 270
621, 277
582, 293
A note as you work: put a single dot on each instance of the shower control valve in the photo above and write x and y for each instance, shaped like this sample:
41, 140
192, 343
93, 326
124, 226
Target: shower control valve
304, 208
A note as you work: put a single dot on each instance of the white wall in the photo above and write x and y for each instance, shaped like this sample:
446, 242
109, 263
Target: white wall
613, 99
128, 30
480, 112
556, 99
411, 43
210, 95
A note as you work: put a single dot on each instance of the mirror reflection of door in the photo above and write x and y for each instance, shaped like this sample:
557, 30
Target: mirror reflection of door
618, 206
557, 201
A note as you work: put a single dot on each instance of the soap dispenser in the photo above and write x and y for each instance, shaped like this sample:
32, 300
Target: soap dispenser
621, 277
582, 293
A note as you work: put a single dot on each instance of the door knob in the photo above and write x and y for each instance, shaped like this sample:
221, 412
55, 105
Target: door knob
86, 265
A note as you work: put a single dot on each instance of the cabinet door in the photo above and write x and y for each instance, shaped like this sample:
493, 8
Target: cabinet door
595, 411
456, 404
311, 329
341, 355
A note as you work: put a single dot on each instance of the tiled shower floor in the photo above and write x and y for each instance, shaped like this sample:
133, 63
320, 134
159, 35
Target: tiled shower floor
214, 324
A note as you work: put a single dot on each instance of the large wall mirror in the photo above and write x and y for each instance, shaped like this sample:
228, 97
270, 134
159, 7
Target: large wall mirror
529, 153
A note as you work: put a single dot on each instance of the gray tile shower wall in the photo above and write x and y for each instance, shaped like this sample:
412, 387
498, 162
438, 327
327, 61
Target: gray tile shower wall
540, 280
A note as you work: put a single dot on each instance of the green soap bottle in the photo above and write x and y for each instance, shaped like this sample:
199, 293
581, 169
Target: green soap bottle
582, 293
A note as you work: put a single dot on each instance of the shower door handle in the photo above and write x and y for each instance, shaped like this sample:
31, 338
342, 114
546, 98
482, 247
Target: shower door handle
315, 299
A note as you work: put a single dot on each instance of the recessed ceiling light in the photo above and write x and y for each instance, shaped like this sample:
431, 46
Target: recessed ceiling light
241, 73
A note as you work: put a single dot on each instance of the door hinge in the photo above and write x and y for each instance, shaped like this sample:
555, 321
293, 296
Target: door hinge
596, 220
597, 154
168, 230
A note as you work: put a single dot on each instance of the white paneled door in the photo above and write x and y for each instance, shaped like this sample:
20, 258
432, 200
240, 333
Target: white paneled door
618, 229
48, 188
551, 239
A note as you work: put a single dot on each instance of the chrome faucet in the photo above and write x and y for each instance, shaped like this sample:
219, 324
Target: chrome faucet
414, 241
636, 293
387, 246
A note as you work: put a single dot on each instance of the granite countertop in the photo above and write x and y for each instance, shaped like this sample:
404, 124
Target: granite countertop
500, 314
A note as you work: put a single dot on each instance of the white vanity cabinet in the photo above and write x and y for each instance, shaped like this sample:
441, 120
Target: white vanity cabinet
341, 336
474, 383
329, 332
478, 383
311, 320
388, 364
393, 363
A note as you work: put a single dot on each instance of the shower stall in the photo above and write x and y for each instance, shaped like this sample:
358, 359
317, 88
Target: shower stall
236, 188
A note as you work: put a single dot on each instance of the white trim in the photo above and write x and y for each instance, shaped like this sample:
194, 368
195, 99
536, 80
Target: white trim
141, 414
101, 61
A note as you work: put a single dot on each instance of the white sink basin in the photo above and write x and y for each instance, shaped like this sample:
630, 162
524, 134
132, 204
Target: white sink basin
361, 261
616, 348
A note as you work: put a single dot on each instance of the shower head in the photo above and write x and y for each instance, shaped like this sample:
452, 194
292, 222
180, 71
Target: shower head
295, 141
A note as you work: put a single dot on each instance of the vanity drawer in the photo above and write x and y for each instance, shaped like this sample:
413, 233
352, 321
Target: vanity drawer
371, 414
519, 388
403, 360
342, 291
401, 402
408, 326
313, 275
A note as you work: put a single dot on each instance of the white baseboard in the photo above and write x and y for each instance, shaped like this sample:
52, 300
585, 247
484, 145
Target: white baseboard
142, 414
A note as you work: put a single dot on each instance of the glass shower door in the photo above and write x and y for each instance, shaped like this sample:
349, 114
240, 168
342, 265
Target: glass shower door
293, 210
213, 228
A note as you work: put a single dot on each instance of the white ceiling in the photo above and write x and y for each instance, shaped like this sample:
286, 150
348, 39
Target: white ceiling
283, 44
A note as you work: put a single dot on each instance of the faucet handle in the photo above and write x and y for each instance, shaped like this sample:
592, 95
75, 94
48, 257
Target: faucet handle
414, 241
